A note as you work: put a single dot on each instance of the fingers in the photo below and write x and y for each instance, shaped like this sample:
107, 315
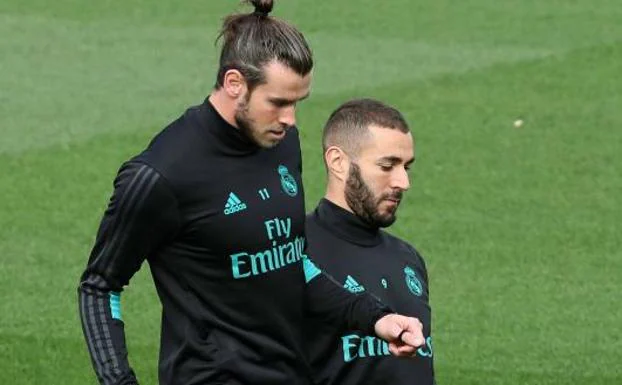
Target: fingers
409, 339
411, 333
414, 339
402, 350
404, 334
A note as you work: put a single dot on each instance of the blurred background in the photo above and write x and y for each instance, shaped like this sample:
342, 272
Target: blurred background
519, 223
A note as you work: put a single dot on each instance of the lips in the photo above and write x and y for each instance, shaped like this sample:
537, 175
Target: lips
393, 200
278, 134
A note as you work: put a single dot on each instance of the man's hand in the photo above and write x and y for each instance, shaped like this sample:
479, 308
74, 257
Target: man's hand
404, 334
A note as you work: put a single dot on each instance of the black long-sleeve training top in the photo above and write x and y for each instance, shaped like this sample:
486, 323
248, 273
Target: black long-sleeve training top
221, 223
366, 259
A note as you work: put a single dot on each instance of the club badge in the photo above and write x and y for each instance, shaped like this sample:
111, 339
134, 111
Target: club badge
288, 183
413, 283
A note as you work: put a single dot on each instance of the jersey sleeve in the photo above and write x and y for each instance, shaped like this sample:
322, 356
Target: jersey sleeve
326, 299
141, 215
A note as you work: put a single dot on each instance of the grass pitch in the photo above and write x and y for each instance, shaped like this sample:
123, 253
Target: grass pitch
520, 227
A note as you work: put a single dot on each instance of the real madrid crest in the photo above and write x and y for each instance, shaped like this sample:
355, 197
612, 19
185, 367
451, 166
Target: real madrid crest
413, 283
288, 183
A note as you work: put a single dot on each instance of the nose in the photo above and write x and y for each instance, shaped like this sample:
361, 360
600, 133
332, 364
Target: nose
400, 179
287, 116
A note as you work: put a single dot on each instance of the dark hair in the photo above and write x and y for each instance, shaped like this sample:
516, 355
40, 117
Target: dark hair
350, 123
251, 40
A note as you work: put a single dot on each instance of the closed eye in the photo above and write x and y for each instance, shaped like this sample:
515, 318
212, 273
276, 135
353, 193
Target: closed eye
282, 102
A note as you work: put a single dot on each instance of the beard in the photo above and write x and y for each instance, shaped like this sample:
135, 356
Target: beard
247, 126
364, 203
244, 122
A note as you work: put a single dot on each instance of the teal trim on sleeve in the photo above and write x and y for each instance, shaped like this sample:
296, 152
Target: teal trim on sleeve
311, 271
115, 305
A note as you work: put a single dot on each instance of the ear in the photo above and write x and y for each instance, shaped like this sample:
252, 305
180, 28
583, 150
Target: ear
337, 162
234, 83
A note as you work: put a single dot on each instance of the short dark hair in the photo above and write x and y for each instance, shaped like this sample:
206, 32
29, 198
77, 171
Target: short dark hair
350, 122
251, 40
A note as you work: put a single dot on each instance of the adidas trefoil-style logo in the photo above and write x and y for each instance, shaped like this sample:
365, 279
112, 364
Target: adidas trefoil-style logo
234, 204
352, 286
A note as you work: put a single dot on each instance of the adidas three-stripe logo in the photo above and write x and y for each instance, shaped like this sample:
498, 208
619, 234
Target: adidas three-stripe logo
234, 204
353, 286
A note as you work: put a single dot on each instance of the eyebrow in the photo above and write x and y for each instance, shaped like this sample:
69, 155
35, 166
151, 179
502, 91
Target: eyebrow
395, 160
285, 101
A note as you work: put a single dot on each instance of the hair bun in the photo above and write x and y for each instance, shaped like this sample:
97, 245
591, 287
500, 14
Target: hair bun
262, 7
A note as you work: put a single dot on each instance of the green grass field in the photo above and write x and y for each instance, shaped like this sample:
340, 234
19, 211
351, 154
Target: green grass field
520, 226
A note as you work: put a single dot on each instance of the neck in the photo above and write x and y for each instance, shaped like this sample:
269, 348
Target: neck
224, 106
337, 196
347, 225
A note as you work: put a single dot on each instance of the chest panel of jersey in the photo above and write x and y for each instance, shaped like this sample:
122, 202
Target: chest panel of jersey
247, 222
382, 272
396, 275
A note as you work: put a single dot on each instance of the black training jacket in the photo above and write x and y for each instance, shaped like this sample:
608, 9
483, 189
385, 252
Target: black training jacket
221, 224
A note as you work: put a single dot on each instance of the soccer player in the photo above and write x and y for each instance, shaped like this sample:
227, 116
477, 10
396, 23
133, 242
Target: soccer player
368, 150
215, 205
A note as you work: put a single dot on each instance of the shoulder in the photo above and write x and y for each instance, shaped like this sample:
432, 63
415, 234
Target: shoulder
177, 150
141, 190
316, 225
320, 241
312, 225
404, 248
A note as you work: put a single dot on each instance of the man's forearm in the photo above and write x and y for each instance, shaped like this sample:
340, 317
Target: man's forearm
326, 298
104, 331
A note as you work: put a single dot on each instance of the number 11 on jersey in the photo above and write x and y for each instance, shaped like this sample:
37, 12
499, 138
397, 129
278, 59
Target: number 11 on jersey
263, 193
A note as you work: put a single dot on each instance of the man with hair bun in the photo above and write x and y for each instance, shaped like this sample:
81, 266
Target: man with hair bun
368, 150
215, 205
